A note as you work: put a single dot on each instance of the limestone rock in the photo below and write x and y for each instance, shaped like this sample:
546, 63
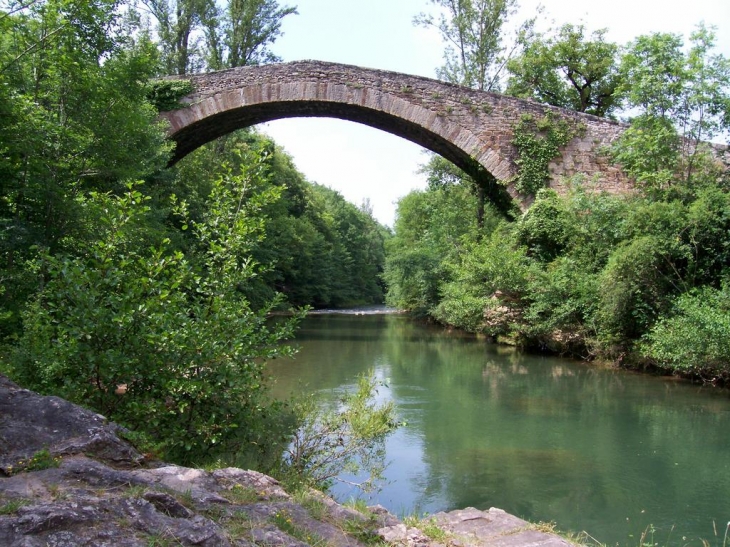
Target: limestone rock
30, 423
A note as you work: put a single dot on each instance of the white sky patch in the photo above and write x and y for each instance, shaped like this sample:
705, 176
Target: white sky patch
362, 162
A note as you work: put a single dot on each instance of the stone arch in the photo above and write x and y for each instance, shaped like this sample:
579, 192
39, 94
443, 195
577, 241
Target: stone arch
472, 129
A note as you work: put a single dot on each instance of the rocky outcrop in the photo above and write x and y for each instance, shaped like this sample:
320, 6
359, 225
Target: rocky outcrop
68, 479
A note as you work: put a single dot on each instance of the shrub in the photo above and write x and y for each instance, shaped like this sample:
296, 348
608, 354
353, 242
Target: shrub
695, 337
346, 436
164, 346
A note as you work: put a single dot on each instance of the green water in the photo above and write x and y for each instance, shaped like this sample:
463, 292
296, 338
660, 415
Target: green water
548, 439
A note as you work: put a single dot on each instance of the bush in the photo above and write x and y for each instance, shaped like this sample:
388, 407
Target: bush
163, 346
695, 338
489, 283
346, 436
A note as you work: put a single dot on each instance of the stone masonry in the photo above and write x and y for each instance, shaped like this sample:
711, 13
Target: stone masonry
472, 129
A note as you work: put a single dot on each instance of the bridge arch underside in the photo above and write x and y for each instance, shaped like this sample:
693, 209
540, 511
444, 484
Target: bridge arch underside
213, 126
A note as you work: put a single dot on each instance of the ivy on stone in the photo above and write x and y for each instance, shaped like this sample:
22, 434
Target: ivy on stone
165, 95
538, 141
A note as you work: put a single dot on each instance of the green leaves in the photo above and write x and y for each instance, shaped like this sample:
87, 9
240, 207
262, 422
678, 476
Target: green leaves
166, 94
569, 70
472, 29
684, 99
166, 346
342, 436
538, 142
695, 338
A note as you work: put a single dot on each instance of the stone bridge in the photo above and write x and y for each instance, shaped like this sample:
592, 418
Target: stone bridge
472, 129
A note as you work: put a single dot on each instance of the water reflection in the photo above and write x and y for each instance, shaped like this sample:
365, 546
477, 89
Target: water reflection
545, 438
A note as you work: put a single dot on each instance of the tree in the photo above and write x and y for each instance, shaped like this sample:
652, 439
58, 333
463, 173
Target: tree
568, 70
74, 119
472, 29
165, 344
243, 31
196, 35
683, 99
250, 26
178, 25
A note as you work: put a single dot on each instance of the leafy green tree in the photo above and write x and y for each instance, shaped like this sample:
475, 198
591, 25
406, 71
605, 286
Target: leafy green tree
695, 336
197, 35
473, 31
683, 98
249, 28
430, 229
167, 346
545, 228
441, 173
569, 69
487, 286
74, 119
179, 24
317, 249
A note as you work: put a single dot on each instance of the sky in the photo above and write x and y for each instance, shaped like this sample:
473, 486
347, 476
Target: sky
364, 163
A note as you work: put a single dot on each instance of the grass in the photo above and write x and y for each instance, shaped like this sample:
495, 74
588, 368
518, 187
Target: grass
163, 539
358, 504
429, 528
238, 526
11, 507
134, 491
186, 498
363, 531
37, 462
241, 495
283, 521
315, 507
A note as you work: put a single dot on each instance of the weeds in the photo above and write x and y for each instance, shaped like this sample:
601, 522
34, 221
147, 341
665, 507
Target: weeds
429, 528
315, 507
239, 526
241, 495
37, 462
11, 507
283, 521
358, 504
134, 491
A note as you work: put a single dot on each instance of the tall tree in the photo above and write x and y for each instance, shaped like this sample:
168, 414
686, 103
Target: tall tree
475, 53
569, 69
683, 98
250, 27
197, 35
73, 118
179, 23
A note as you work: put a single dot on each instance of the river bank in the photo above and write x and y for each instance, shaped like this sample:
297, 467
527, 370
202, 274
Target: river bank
68, 478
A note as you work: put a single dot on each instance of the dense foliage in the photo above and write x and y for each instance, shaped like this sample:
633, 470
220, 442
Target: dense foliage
641, 279
567, 70
142, 291
629, 278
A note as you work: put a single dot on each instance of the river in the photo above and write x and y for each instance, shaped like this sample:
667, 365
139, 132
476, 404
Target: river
548, 439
